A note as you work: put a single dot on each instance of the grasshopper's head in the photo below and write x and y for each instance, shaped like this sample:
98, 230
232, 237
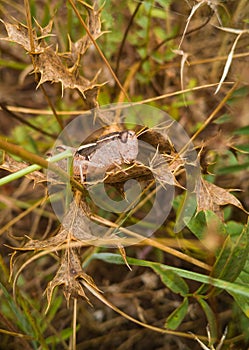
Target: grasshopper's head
127, 135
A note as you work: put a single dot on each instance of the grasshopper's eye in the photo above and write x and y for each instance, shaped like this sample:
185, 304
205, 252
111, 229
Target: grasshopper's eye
131, 133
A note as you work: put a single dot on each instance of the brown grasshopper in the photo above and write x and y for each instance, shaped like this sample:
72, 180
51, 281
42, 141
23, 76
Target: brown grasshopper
112, 149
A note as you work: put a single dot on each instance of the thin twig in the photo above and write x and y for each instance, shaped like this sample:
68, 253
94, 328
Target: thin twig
26, 122
98, 49
157, 47
120, 51
32, 52
74, 324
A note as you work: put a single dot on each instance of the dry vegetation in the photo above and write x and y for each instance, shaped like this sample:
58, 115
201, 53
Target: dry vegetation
185, 290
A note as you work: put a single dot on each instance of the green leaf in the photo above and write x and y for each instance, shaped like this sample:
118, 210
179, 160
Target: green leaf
225, 118
234, 228
213, 220
200, 224
18, 314
52, 312
172, 280
185, 206
242, 322
56, 339
176, 317
242, 148
243, 279
211, 319
197, 225
244, 275
242, 302
242, 131
236, 288
238, 94
33, 322
233, 168
232, 257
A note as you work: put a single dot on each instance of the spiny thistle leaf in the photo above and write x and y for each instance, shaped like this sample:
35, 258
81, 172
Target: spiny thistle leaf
69, 275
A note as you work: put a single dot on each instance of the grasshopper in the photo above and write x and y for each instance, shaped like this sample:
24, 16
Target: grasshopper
112, 149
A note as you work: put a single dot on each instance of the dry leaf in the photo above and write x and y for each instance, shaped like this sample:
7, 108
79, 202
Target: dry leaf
48, 63
93, 22
50, 66
161, 171
76, 222
56, 241
211, 197
18, 33
229, 61
123, 254
69, 275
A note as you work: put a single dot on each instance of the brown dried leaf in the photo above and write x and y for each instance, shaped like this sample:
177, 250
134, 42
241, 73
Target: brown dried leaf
69, 275
176, 163
59, 239
76, 222
50, 66
18, 33
123, 254
91, 95
93, 22
45, 31
125, 172
161, 171
157, 139
48, 63
211, 197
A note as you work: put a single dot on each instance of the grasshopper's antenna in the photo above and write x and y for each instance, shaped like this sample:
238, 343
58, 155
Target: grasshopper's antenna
142, 131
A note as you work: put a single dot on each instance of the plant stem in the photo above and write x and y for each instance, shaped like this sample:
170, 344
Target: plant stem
38, 161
